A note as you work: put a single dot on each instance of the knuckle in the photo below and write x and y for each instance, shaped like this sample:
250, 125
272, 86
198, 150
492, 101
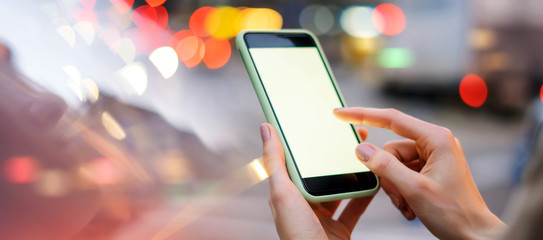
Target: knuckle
421, 187
444, 137
382, 163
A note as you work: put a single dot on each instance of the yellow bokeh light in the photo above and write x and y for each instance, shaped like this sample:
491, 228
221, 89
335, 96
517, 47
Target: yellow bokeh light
221, 23
52, 183
92, 92
258, 169
260, 18
482, 39
112, 126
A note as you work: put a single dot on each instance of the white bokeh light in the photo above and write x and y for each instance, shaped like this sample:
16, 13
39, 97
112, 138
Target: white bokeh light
165, 60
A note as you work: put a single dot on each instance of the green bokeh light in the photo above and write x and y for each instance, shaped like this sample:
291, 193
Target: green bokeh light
395, 58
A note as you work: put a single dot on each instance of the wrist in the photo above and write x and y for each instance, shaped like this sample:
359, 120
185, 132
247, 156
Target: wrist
488, 226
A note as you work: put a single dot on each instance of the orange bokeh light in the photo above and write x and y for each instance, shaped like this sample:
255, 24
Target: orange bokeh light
123, 6
217, 52
189, 48
473, 90
197, 22
155, 3
20, 170
388, 19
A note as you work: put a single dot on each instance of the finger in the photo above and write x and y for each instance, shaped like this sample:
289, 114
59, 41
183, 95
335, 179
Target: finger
390, 168
273, 156
352, 212
331, 206
404, 150
400, 123
288, 206
362, 132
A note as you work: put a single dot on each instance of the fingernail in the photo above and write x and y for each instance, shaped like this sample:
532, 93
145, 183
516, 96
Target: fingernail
405, 214
395, 201
264, 132
364, 152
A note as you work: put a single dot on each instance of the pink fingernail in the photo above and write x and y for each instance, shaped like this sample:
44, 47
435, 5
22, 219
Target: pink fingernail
364, 152
264, 132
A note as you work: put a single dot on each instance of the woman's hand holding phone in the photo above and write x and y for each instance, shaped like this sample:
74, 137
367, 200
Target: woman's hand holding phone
425, 175
294, 217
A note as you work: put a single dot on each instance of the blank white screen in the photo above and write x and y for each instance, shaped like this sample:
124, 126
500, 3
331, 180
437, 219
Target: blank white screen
303, 98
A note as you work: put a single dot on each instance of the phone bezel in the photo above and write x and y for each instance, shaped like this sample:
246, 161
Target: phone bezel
321, 185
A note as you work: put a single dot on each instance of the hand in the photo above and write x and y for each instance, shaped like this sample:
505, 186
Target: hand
425, 175
294, 217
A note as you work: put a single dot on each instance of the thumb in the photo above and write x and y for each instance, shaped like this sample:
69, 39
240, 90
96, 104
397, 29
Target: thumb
387, 166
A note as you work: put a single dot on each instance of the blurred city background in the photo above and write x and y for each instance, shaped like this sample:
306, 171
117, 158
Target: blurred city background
162, 84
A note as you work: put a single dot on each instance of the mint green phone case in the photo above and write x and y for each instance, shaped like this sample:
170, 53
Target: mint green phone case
259, 89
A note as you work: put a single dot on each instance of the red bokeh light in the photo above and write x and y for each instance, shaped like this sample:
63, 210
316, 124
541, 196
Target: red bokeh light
150, 19
189, 48
20, 170
388, 19
197, 22
473, 90
217, 52
139, 39
104, 172
155, 3
123, 6
541, 93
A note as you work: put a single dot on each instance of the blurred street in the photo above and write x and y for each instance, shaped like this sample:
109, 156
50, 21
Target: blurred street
155, 126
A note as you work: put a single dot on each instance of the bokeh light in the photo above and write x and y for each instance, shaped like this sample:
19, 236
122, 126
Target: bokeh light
198, 19
150, 19
165, 60
52, 10
317, 18
473, 90
92, 93
189, 48
173, 167
109, 36
52, 183
217, 52
482, 38
126, 49
20, 169
258, 169
395, 58
85, 30
154, 3
221, 22
541, 93
134, 78
260, 18
67, 33
123, 6
388, 19
357, 22
112, 126
102, 171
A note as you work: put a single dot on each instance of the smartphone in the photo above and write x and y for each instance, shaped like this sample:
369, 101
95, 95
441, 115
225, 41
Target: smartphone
298, 94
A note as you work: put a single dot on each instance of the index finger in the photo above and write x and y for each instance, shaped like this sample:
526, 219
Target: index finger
392, 119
